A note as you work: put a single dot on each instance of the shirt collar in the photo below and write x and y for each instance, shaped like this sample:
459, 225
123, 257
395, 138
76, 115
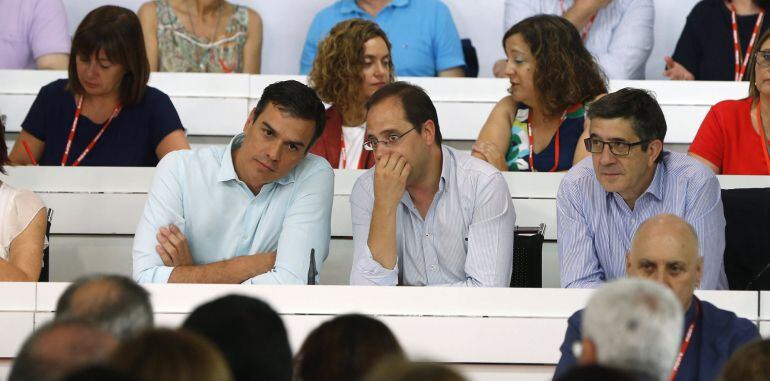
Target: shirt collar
447, 167
350, 6
226, 168
658, 183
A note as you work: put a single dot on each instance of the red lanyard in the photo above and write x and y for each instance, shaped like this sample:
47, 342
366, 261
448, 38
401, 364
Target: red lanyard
686, 341
762, 137
586, 28
532, 145
740, 66
344, 154
93, 141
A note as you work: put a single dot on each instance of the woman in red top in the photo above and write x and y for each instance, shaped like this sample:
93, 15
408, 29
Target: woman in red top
353, 61
733, 138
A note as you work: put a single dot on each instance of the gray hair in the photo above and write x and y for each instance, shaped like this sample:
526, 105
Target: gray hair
115, 302
636, 325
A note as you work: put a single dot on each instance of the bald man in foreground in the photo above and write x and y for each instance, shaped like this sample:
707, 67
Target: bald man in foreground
665, 249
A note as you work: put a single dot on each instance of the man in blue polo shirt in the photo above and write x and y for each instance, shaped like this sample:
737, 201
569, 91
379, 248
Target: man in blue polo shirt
423, 34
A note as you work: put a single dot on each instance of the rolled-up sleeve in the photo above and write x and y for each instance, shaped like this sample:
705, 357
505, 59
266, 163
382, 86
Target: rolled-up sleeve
578, 262
163, 207
365, 270
706, 215
490, 237
306, 227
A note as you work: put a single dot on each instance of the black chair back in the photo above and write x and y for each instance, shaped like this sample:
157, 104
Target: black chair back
44, 271
747, 238
528, 257
471, 58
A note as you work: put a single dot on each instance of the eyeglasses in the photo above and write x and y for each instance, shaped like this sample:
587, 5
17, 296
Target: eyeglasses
617, 148
371, 143
763, 58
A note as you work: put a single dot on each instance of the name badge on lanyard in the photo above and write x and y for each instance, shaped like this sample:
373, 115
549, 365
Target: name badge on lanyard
93, 141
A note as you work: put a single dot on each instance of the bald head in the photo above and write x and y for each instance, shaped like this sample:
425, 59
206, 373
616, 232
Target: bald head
665, 249
667, 232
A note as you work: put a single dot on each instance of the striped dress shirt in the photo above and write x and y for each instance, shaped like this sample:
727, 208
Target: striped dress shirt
595, 227
466, 238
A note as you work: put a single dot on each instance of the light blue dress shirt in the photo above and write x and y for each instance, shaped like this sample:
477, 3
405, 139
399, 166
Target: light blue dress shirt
595, 227
466, 238
621, 37
424, 37
199, 192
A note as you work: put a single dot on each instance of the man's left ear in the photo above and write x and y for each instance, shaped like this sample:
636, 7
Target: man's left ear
655, 148
429, 132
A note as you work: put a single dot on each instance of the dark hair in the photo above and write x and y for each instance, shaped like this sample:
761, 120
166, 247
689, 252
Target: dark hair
752, 66
750, 363
3, 148
418, 108
116, 30
637, 106
79, 343
98, 373
395, 370
115, 302
170, 355
595, 372
345, 348
250, 335
565, 72
297, 99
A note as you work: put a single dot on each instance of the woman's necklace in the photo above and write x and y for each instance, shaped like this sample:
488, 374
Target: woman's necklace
201, 60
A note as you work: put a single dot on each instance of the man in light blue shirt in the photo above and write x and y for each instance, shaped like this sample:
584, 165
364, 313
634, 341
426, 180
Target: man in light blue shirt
426, 214
423, 34
619, 33
251, 212
629, 178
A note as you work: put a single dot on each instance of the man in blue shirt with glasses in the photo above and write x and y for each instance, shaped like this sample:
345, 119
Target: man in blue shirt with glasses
426, 214
629, 178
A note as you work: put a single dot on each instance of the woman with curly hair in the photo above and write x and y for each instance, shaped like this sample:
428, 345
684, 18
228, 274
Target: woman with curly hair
353, 61
539, 126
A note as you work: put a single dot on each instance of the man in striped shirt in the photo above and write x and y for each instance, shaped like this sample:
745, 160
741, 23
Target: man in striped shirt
603, 200
426, 214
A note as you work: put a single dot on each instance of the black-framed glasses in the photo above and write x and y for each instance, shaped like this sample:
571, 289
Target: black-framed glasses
371, 143
594, 145
763, 58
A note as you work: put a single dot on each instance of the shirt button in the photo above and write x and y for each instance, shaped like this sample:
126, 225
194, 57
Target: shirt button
432, 267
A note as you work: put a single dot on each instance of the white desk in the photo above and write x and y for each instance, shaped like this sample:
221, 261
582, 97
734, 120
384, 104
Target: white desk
217, 104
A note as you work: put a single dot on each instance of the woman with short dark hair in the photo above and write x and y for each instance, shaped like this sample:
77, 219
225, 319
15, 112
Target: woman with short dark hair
539, 126
104, 114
